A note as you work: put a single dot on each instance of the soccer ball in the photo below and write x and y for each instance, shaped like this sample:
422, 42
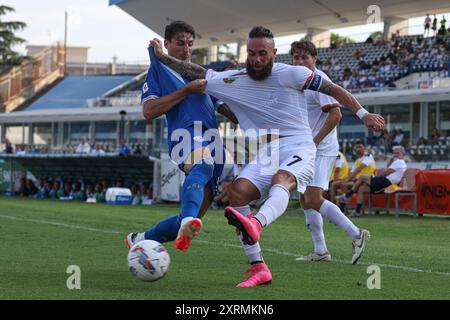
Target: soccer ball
148, 260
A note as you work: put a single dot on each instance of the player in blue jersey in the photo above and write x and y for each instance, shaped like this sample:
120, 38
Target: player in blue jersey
190, 116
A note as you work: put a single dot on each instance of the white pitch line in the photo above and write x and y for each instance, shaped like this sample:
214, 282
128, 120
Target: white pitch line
224, 244
290, 254
60, 224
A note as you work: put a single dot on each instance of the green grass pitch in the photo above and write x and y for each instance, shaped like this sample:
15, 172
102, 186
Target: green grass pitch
40, 239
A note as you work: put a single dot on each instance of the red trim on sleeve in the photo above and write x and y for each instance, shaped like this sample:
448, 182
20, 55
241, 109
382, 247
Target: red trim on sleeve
307, 81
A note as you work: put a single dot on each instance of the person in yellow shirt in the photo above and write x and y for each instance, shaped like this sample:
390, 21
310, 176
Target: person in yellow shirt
339, 173
340, 169
364, 165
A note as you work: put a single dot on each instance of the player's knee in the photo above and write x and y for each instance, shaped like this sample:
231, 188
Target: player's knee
285, 179
240, 195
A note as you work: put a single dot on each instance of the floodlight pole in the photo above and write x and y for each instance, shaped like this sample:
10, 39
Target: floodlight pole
65, 42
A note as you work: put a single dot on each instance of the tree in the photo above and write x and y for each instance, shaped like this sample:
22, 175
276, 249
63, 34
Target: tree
338, 40
199, 55
8, 57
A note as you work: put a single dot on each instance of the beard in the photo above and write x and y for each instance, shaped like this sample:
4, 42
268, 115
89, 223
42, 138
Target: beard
262, 74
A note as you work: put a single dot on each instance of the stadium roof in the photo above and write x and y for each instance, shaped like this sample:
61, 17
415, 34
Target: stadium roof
74, 91
218, 21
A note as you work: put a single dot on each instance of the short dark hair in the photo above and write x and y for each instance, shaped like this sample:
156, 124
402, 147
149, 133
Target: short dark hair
360, 142
178, 26
260, 32
305, 46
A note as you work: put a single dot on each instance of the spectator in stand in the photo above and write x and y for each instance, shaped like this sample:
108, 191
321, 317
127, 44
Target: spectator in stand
8, 147
99, 193
105, 183
422, 141
398, 137
434, 25
147, 198
392, 175
56, 192
67, 191
21, 150
435, 135
124, 149
42, 187
384, 141
48, 187
135, 194
98, 151
442, 31
77, 192
33, 192
83, 147
23, 190
137, 150
427, 25
119, 184
90, 192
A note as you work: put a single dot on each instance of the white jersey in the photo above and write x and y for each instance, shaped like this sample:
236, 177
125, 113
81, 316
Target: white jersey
399, 165
277, 102
318, 107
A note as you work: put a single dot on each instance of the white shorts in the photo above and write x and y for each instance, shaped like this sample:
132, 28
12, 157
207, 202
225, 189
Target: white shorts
294, 154
323, 167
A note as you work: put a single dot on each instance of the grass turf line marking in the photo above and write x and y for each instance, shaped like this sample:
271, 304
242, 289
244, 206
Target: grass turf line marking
60, 224
224, 244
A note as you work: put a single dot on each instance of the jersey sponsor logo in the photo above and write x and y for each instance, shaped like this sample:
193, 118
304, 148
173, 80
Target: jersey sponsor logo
229, 80
233, 78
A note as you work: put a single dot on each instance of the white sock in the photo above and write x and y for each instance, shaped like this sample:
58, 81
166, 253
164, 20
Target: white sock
253, 252
139, 237
274, 206
186, 220
314, 222
335, 215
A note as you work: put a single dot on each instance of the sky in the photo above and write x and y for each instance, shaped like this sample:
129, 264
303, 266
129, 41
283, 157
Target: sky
111, 32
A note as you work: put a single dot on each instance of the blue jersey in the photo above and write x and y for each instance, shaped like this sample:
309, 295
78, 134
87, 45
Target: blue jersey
162, 81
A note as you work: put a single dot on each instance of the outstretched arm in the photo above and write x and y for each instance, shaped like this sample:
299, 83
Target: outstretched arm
187, 70
373, 121
333, 119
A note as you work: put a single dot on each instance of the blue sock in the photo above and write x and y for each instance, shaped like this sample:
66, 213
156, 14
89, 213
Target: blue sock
193, 188
165, 230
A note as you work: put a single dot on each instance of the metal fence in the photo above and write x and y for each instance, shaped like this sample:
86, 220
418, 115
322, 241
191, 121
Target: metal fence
19, 81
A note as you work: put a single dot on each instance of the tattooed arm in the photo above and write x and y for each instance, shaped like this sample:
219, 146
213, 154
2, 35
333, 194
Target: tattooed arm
373, 121
188, 70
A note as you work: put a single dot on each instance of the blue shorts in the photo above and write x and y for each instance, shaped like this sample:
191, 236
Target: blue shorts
379, 183
194, 141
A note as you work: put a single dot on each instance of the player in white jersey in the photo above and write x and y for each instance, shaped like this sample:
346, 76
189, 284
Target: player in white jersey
323, 115
282, 88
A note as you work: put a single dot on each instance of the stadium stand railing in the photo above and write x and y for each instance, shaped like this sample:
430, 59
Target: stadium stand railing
33, 76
